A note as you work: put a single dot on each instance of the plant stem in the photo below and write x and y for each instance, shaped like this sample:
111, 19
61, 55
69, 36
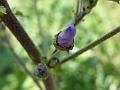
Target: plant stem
79, 18
49, 83
16, 28
92, 44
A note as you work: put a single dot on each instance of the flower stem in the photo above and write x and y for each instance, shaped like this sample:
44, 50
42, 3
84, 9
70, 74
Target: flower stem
92, 44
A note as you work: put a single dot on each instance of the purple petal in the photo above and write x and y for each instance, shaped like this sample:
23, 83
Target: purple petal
66, 36
63, 40
69, 32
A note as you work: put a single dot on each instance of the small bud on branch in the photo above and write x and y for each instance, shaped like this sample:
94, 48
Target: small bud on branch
64, 40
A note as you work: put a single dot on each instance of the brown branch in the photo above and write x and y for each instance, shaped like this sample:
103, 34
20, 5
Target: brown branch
49, 83
92, 44
16, 28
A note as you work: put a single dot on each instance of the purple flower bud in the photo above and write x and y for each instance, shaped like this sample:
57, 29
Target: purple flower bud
65, 39
41, 71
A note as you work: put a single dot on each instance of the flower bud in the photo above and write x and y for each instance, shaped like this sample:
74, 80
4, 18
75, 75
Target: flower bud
53, 62
41, 71
64, 40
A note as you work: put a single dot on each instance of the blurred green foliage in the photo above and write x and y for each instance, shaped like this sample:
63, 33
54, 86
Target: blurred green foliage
96, 69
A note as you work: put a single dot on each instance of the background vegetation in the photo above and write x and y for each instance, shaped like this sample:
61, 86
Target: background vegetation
97, 69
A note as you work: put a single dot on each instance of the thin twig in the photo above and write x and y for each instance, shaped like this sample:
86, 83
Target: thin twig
92, 44
56, 52
79, 18
22, 63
